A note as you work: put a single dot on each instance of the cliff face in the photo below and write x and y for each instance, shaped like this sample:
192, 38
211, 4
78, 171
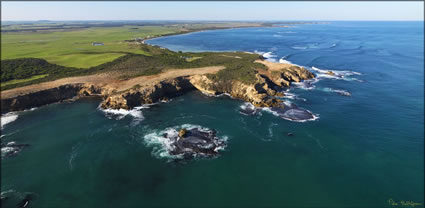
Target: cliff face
137, 96
44, 97
258, 94
261, 93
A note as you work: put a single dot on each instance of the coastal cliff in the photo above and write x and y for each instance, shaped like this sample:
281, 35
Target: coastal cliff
48, 96
262, 92
147, 95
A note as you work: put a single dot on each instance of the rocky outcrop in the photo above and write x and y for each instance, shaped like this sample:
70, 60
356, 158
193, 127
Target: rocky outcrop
194, 142
261, 93
283, 77
137, 96
330, 73
11, 149
257, 93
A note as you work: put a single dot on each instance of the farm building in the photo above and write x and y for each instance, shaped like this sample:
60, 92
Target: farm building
97, 44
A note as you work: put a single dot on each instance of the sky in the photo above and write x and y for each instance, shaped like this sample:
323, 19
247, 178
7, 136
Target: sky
205, 10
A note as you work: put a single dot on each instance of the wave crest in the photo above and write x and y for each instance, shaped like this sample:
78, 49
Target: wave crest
8, 118
119, 114
268, 55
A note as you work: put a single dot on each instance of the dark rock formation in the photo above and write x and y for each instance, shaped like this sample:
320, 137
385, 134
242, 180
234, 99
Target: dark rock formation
53, 95
195, 142
330, 73
293, 112
11, 149
248, 109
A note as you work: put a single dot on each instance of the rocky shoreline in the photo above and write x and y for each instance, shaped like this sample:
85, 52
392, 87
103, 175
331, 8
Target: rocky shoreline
264, 92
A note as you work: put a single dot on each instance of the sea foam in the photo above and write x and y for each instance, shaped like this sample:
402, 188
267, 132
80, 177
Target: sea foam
119, 114
338, 91
343, 75
268, 55
8, 118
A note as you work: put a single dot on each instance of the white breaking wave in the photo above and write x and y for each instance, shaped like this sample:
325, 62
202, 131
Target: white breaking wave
336, 72
161, 145
341, 92
247, 109
268, 55
8, 118
293, 96
284, 61
269, 110
5, 150
288, 32
299, 47
11, 117
246, 106
119, 114
221, 148
306, 84
219, 95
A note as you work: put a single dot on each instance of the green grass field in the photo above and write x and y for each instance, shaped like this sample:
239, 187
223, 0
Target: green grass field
73, 48
70, 43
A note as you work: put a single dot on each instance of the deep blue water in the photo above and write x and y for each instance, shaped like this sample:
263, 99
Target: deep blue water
388, 106
363, 150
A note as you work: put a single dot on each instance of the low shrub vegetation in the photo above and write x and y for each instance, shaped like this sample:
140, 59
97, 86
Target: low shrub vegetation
239, 66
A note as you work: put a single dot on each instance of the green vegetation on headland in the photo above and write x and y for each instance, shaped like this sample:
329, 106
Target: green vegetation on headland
16, 81
239, 66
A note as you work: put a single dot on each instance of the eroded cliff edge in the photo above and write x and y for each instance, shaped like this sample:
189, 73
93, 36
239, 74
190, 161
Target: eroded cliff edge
262, 92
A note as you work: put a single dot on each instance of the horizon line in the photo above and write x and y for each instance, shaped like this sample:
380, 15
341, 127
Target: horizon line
40, 20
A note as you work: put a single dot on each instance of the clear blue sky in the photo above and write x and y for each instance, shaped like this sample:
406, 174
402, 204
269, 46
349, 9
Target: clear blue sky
212, 11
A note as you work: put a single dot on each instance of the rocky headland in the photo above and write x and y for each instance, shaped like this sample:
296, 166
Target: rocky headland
263, 92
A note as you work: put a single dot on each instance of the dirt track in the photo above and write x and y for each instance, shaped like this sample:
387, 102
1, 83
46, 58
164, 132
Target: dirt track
110, 80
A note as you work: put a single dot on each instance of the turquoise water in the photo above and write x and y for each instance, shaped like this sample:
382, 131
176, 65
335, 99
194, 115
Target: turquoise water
362, 151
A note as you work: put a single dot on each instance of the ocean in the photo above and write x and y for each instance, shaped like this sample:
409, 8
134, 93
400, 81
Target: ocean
364, 149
